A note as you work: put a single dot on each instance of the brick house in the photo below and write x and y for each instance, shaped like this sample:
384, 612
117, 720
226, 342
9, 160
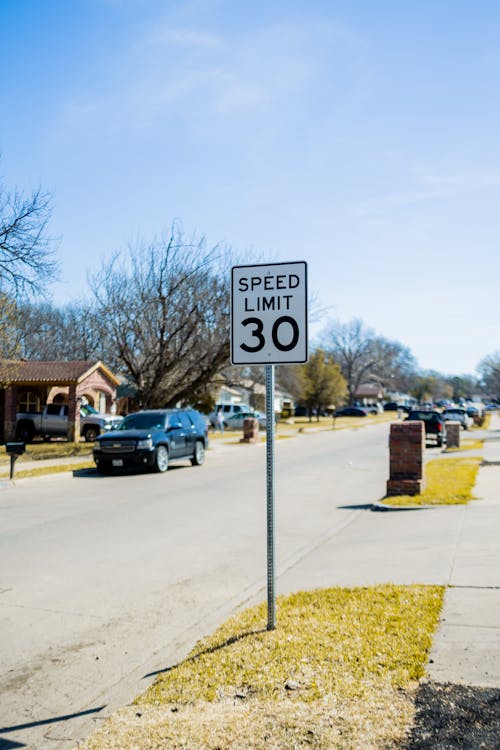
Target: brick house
28, 386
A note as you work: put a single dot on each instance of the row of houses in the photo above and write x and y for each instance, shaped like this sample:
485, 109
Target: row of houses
28, 386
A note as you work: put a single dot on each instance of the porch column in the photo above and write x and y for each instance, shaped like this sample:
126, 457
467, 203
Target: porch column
10, 413
73, 415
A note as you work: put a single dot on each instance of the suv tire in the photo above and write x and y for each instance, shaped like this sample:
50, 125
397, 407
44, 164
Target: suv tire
199, 454
90, 434
161, 459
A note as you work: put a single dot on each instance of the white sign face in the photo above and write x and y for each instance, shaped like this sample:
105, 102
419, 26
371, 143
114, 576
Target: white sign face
269, 314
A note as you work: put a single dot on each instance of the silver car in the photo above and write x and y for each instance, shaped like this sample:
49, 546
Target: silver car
457, 414
235, 422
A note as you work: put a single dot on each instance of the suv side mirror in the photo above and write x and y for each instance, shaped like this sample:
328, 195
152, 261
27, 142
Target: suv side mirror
174, 424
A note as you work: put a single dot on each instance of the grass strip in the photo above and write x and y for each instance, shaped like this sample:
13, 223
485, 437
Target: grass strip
338, 672
449, 482
468, 444
41, 471
44, 451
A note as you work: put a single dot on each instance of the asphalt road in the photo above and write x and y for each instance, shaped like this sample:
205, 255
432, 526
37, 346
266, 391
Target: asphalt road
106, 580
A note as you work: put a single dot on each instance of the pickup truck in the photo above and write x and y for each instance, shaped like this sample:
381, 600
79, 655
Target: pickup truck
53, 422
433, 422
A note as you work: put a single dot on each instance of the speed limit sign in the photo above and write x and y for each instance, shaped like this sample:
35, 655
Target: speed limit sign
269, 314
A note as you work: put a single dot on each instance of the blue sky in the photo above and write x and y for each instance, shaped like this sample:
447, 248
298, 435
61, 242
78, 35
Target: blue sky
362, 137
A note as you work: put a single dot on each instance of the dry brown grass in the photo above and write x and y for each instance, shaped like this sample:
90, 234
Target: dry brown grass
449, 482
339, 671
379, 723
54, 449
41, 471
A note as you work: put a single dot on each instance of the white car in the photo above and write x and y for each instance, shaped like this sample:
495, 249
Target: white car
236, 421
228, 410
457, 414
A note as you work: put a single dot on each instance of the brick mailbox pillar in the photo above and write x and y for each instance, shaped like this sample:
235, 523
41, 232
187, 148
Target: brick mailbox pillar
406, 458
250, 430
453, 434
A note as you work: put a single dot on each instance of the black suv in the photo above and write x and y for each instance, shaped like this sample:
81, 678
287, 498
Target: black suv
153, 438
433, 421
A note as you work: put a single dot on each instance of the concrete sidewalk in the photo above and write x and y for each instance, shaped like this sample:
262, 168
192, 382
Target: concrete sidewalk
467, 645
454, 546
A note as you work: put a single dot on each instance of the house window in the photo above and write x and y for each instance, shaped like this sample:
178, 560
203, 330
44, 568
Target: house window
29, 401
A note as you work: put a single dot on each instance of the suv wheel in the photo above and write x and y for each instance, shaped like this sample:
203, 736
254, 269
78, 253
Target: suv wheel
161, 459
199, 454
90, 434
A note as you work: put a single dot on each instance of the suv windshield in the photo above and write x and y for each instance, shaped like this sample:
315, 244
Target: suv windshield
424, 416
143, 422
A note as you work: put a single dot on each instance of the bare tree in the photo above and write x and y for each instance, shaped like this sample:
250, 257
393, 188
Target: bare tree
70, 332
489, 371
352, 347
395, 366
26, 258
288, 378
166, 308
10, 335
365, 357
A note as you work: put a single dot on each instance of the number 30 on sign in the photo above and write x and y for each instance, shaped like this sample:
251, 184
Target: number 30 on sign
269, 314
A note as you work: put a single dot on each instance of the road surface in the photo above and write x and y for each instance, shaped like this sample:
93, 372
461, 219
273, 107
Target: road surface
106, 580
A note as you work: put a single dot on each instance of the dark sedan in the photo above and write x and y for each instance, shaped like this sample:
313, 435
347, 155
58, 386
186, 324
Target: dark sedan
351, 411
151, 439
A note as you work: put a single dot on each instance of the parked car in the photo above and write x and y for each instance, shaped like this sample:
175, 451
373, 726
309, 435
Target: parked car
53, 421
370, 409
457, 414
301, 411
152, 439
351, 411
235, 422
394, 406
434, 423
228, 410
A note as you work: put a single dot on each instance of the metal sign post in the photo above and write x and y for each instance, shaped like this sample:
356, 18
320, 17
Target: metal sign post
268, 327
271, 596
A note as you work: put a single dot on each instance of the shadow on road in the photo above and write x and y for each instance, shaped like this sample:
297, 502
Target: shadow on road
212, 650
376, 508
8, 744
356, 506
93, 473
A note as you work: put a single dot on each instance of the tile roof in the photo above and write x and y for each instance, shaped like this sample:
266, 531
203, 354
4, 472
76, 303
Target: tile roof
56, 372
368, 390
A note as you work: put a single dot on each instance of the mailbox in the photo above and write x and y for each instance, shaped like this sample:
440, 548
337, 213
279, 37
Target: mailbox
15, 449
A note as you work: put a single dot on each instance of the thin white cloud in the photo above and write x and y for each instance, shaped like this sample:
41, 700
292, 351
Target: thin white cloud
185, 37
195, 75
435, 186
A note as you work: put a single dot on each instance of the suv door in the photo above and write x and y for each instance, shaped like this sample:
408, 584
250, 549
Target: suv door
176, 436
188, 426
